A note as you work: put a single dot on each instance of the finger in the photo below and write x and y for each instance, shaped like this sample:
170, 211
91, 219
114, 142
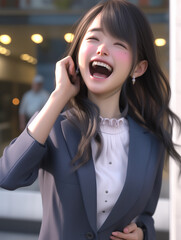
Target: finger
125, 236
115, 238
66, 64
71, 66
130, 228
65, 68
118, 235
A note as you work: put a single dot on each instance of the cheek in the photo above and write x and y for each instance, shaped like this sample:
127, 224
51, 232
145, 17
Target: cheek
124, 57
84, 52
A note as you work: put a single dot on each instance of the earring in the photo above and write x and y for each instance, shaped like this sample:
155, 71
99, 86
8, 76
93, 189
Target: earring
133, 80
77, 70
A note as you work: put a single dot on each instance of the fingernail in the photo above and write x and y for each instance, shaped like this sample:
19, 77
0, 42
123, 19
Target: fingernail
126, 230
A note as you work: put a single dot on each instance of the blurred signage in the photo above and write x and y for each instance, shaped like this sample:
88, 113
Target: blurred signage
150, 3
24, 4
36, 4
9, 3
53, 4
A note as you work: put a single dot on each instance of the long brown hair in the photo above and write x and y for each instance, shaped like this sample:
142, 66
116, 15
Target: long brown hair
147, 102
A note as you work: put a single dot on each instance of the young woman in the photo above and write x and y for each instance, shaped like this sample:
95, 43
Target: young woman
100, 162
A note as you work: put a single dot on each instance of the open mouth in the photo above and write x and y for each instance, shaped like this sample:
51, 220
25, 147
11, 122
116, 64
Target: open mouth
100, 69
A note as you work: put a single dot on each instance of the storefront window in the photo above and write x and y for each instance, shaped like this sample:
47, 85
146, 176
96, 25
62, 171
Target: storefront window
52, 19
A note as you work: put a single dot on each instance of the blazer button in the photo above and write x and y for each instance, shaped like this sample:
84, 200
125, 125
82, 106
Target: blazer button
89, 235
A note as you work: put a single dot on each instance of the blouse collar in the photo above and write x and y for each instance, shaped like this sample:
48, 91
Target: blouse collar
112, 122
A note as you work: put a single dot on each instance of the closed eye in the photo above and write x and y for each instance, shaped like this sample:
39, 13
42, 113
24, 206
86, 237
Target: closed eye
93, 38
120, 44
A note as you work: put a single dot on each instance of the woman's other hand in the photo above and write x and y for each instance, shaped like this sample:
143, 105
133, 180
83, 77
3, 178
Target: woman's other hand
130, 232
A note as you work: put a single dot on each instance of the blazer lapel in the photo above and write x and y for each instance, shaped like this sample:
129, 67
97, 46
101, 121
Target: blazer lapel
87, 179
138, 156
86, 173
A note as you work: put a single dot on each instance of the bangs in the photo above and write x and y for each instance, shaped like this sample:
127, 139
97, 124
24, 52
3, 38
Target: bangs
117, 21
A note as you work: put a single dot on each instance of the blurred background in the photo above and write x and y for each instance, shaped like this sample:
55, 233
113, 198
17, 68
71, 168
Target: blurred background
34, 35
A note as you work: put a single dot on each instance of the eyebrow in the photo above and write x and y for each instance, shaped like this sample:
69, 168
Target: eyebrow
96, 30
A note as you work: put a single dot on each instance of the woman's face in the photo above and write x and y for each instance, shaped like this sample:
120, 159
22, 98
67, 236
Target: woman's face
104, 61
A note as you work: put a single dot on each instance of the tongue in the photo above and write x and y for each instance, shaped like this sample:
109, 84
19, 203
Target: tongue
99, 72
99, 75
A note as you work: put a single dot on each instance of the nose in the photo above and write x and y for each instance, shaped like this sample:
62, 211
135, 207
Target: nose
102, 50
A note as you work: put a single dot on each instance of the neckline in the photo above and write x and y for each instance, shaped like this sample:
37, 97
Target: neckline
111, 122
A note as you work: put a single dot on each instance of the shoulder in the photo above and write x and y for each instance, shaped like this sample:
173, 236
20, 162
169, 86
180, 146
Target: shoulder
63, 131
61, 121
61, 117
65, 123
145, 140
140, 132
138, 127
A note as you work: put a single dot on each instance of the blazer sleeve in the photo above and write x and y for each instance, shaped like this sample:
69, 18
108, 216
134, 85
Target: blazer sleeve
145, 220
20, 162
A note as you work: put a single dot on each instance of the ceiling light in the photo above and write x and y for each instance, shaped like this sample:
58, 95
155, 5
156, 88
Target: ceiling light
160, 42
37, 38
34, 61
69, 37
24, 57
31, 59
5, 39
8, 52
4, 51
15, 101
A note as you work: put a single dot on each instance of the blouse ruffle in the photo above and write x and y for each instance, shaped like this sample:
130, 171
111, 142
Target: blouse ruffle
113, 125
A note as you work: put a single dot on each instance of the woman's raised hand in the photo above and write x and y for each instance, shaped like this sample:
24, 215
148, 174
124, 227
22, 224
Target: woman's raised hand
131, 232
67, 81
67, 86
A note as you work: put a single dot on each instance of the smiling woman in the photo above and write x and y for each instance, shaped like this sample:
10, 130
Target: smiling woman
106, 151
104, 62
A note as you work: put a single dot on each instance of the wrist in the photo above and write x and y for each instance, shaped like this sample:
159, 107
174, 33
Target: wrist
60, 97
140, 233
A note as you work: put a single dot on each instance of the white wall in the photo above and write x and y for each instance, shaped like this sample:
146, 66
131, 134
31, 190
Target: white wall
175, 80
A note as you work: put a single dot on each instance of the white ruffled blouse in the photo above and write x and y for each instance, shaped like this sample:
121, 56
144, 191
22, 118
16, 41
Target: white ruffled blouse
111, 166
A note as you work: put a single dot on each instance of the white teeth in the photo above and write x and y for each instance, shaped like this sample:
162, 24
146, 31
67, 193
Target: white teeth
96, 63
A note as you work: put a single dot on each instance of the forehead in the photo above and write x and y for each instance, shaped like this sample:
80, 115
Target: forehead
96, 23
97, 26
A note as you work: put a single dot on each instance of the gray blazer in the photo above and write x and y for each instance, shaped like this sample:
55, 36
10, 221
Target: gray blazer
69, 197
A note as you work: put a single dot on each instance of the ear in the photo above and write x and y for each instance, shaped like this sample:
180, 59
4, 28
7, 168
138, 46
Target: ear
140, 68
